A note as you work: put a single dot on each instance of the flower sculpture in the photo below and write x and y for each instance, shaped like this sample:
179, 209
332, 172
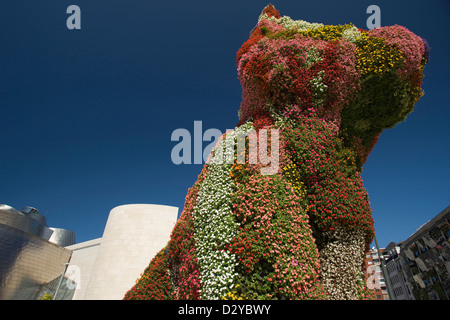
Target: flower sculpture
325, 93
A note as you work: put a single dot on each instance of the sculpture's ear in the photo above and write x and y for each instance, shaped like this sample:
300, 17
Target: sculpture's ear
256, 34
271, 11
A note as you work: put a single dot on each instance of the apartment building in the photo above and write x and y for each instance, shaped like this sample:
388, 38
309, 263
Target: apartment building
397, 277
425, 259
374, 275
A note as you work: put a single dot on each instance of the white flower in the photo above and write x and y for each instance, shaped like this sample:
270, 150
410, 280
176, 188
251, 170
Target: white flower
289, 23
213, 222
351, 34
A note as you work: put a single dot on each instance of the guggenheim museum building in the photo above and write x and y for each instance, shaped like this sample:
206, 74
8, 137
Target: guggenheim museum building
37, 260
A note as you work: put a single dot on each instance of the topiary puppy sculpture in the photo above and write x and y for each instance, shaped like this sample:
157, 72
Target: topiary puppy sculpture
294, 221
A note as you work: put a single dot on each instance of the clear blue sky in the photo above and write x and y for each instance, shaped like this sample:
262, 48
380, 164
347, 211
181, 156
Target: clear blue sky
87, 115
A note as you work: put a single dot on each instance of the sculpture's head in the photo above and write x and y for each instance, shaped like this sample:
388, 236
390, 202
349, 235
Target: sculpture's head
359, 81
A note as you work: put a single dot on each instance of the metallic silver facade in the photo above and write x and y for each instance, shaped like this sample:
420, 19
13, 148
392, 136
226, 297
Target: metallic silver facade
28, 261
33, 213
33, 222
62, 237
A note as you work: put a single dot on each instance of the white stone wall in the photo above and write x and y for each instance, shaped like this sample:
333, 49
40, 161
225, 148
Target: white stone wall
133, 235
81, 264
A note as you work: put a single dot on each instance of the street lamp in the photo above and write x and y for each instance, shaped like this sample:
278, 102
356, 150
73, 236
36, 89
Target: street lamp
387, 280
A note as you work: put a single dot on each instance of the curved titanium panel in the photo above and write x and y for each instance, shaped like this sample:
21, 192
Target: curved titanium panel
5, 207
27, 262
34, 214
13, 218
62, 237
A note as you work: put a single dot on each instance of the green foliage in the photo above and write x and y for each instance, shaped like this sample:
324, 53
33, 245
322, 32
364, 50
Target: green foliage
46, 296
